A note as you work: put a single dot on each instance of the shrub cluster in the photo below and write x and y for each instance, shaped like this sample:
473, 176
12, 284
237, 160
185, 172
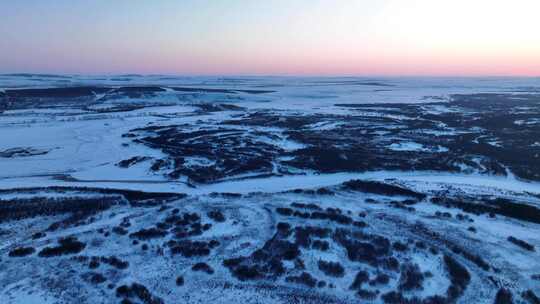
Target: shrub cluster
68, 245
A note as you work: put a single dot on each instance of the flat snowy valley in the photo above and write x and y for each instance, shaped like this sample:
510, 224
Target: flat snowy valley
159, 189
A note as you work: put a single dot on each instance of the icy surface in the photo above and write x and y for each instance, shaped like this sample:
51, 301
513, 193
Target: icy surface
290, 190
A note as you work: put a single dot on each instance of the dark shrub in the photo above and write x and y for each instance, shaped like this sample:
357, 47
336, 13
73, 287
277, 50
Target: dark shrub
217, 216
411, 278
459, 277
521, 243
21, 251
306, 206
331, 216
123, 291
151, 233
139, 291
333, 269
265, 262
245, 272
531, 297
190, 249
361, 278
476, 259
302, 237
367, 294
390, 263
119, 230
180, 281
284, 229
421, 245
398, 246
381, 188
94, 263
97, 278
503, 296
360, 224
68, 245
304, 279
203, 267
278, 248
144, 295
115, 262
38, 235
380, 279
80, 207
324, 191
163, 226
320, 245
284, 211
394, 297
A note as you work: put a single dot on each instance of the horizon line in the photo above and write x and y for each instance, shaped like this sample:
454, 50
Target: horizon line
48, 74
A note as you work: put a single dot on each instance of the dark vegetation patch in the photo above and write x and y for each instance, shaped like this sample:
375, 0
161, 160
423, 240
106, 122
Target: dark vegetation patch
530, 297
503, 296
399, 246
21, 251
180, 281
371, 249
214, 90
500, 206
22, 208
77, 218
217, 216
186, 225
190, 249
217, 107
138, 291
119, 230
521, 243
381, 188
65, 246
266, 262
380, 279
367, 294
332, 269
361, 278
114, 262
459, 278
228, 151
309, 206
96, 278
38, 235
304, 278
203, 267
411, 278
16, 209
330, 214
22, 152
67, 92
475, 258
395, 297
320, 245
304, 235
150, 233
126, 163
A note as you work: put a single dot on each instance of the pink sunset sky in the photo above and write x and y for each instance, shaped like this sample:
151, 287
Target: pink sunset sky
243, 37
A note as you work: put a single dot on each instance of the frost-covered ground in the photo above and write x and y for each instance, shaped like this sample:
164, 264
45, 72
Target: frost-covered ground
159, 189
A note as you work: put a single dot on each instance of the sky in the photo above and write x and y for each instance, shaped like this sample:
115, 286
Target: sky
271, 37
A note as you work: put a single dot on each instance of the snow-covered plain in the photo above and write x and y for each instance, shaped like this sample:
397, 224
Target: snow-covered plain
262, 151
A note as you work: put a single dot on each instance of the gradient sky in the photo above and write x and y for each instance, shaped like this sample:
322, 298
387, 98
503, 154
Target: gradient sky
277, 37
